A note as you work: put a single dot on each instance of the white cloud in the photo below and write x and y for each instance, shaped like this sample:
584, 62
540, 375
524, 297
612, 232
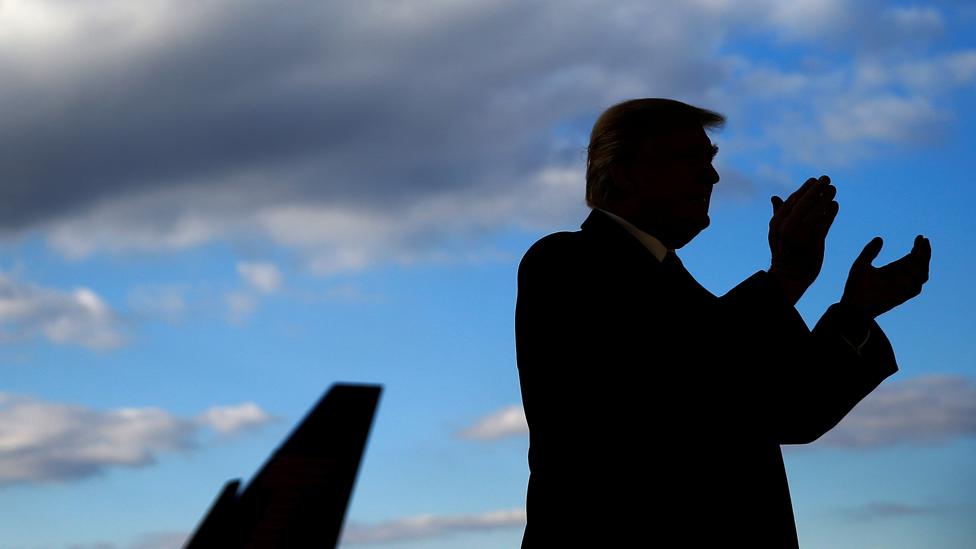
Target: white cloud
233, 419
509, 421
262, 276
78, 317
430, 526
930, 409
915, 19
885, 118
47, 441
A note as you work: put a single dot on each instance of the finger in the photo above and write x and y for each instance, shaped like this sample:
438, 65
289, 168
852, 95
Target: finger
776, 220
815, 201
913, 260
922, 247
923, 254
798, 194
826, 219
869, 253
817, 215
808, 215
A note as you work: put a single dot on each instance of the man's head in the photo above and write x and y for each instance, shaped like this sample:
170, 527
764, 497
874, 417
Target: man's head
650, 162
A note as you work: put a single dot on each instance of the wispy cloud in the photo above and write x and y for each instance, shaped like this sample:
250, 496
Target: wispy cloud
263, 276
77, 317
154, 540
44, 441
160, 540
430, 526
506, 422
166, 302
890, 509
260, 279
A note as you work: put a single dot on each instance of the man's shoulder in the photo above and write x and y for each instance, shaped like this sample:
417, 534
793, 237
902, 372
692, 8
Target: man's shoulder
554, 243
551, 249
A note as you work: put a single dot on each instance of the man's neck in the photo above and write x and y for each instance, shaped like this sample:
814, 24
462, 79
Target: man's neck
653, 244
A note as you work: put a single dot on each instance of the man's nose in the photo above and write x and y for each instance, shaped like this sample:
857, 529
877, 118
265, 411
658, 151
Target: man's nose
713, 176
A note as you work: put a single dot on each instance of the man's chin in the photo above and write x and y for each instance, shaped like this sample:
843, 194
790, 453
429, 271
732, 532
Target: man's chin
691, 234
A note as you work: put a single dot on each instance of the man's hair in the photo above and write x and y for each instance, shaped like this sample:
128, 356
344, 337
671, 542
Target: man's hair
621, 128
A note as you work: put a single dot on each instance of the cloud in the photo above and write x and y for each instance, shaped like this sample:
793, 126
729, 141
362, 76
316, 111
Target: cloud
47, 441
931, 409
506, 422
154, 540
835, 114
890, 509
167, 302
885, 118
363, 133
240, 124
76, 317
431, 526
160, 540
233, 419
262, 276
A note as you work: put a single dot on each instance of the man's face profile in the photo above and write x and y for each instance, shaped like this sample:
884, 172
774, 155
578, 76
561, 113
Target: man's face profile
670, 185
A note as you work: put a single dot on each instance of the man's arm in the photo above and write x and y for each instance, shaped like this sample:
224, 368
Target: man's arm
803, 382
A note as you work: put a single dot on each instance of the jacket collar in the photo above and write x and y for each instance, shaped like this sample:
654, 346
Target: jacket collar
649, 241
601, 227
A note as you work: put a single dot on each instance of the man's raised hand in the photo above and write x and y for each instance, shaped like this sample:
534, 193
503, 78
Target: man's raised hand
797, 232
876, 290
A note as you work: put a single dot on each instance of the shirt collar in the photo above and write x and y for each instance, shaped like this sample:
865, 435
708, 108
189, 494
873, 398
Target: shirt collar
654, 245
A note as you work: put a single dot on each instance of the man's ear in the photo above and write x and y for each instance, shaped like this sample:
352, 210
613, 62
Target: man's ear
621, 177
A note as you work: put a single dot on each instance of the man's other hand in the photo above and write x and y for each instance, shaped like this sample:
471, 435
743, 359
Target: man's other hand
797, 232
877, 290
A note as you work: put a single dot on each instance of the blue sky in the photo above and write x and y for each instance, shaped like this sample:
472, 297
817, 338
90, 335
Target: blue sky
212, 213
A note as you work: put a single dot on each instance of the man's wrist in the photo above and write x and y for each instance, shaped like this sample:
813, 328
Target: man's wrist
853, 322
855, 309
790, 288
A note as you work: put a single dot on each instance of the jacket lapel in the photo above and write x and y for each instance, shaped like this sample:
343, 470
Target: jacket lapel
614, 238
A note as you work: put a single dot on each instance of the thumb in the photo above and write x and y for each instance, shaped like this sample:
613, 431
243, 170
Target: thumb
870, 252
777, 202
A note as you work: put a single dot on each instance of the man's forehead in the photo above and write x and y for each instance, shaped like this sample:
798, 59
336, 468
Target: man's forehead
680, 139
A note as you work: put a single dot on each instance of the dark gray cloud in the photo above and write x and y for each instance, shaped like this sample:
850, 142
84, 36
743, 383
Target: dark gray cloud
140, 126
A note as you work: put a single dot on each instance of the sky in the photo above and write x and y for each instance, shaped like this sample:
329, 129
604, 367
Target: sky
212, 211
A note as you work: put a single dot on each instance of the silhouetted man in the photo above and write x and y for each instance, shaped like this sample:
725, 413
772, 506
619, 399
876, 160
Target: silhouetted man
656, 410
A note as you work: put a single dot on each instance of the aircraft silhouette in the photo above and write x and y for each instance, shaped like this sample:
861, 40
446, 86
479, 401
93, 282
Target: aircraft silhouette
298, 498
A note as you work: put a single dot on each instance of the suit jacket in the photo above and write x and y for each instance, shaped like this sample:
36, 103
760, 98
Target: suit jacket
656, 410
